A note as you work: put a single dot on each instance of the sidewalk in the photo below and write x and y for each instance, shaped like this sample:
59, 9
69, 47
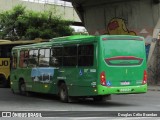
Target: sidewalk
153, 88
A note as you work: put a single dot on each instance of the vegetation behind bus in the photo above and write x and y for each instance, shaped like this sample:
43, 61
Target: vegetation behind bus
21, 24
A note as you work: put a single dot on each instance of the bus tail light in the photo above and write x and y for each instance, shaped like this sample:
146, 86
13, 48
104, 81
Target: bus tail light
144, 77
103, 78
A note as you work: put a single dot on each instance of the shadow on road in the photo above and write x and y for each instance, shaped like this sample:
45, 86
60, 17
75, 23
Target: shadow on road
55, 98
87, 101
108, 103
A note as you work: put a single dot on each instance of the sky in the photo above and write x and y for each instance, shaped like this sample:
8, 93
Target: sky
79, 28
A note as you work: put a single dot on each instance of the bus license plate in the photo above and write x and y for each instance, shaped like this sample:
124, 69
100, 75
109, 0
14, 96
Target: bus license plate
125, 83
125, 90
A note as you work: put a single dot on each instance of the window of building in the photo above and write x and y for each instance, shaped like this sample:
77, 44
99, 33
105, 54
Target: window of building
44, 57
85, 55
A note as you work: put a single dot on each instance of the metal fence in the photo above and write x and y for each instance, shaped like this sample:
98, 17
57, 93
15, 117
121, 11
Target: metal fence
57, 2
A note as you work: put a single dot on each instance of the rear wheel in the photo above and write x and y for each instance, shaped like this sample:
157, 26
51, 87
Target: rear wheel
103, 98
3, 82
99, 99
63, 93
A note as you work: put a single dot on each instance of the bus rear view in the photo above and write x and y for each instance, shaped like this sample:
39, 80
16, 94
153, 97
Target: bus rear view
122, 67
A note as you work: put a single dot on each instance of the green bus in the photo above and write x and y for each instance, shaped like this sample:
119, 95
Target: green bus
81, 66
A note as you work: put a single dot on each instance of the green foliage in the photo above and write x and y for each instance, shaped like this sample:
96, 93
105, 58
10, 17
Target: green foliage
19, 23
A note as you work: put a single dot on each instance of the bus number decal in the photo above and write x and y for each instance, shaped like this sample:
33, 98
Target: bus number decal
85, 70
93, 70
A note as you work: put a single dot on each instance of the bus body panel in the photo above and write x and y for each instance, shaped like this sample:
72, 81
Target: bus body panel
4, 72
5, 66
123, 62
45, 83
103, 90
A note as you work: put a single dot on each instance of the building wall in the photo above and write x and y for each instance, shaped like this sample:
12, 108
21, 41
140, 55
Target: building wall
129, 17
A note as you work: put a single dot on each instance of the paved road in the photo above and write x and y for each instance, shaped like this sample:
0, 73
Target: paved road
38, 102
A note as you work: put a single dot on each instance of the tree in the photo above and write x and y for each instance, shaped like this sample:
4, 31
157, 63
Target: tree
19, 23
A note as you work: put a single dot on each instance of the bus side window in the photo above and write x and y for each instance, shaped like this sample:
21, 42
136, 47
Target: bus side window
70, 56
26, 56
23, 59
85, 55
14, 61
44, 56
33, 58
56, 56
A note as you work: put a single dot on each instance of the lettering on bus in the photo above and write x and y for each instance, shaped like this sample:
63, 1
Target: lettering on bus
4, 63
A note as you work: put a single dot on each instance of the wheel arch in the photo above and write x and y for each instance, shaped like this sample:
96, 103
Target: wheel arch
2, 75
60, 82
21, 80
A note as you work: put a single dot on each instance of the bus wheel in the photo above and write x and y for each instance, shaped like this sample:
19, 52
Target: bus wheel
99, 99
22, 88
63, 93
3, 82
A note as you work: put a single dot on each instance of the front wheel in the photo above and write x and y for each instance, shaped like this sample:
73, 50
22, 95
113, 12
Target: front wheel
22, 88
63, 93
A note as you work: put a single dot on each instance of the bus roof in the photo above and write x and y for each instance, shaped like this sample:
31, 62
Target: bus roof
7, 42
60, 40
44, 44
4, 41
122, 37
73, 38
90, 38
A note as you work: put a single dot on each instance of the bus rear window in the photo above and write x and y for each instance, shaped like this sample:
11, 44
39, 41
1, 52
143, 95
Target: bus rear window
124, 60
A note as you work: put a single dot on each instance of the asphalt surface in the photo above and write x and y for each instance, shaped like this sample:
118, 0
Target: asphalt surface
149, 101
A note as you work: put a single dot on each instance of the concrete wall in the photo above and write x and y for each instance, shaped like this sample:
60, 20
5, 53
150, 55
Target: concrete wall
127, 17
68, 13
